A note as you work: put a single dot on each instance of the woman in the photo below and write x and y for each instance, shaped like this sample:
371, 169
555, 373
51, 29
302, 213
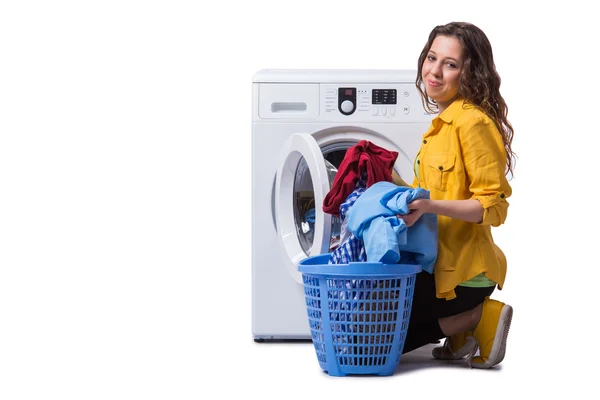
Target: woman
463, 161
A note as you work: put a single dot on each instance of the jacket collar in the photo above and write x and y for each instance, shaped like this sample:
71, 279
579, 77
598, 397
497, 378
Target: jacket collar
452, 111
446, 116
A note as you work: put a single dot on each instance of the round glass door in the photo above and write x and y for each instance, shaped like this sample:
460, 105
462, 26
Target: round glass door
305, 205
304, 177
302, 181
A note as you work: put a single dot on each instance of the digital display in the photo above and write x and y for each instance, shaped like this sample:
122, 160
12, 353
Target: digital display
384, 96
348, 92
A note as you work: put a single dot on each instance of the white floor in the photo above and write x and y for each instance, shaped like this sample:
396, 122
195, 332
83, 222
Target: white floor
291, 371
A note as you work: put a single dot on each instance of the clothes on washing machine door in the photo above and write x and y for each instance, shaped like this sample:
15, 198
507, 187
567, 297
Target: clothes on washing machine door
376, 161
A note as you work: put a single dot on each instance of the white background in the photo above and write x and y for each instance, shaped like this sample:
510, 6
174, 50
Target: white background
125, 194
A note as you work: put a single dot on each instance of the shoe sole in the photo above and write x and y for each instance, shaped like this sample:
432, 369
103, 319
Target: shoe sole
499, 347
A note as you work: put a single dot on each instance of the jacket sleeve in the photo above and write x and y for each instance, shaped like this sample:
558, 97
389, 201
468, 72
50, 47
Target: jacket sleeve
485, 164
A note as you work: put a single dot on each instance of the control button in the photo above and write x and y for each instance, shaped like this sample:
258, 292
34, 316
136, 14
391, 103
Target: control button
406, 93
375, 111
406, 109
347, 106
393, 111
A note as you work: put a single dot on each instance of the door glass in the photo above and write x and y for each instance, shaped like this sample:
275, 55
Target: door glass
304, 203
304, 197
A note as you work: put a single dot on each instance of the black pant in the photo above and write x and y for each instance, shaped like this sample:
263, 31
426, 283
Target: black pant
423, 327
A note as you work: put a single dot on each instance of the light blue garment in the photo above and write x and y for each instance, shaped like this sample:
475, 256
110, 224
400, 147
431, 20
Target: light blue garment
387, 239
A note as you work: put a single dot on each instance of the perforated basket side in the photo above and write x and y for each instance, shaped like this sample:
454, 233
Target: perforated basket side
312, 295
358, 324
409, 290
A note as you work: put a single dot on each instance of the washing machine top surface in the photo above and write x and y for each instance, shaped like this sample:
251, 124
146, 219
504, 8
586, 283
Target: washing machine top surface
334, 76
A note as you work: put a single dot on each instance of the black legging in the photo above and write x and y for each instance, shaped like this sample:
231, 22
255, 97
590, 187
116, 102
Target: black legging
423, 327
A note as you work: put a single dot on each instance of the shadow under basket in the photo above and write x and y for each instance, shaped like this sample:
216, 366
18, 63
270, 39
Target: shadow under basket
358, 313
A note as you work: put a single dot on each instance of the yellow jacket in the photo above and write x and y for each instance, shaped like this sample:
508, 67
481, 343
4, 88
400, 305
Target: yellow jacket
462, 156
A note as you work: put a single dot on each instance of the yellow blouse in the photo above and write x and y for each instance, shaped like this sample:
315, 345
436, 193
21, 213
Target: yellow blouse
462, 156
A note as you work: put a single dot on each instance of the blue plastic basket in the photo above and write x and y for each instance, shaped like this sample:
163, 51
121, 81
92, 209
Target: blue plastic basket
358, 313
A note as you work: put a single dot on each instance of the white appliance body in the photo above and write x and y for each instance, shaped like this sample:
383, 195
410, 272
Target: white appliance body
299, 119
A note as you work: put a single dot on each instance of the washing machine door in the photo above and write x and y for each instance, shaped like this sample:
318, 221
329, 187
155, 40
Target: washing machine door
303, 179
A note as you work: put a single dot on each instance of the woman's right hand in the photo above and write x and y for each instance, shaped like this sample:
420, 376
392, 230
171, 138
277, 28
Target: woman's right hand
417, 208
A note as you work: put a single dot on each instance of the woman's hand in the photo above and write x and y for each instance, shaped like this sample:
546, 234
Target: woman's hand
417, 208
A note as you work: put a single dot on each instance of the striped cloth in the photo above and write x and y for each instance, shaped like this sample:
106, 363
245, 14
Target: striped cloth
353, 249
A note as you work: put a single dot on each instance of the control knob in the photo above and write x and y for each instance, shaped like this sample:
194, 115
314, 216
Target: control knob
347, 106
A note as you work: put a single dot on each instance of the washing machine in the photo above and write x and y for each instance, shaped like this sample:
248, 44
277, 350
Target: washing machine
303, 121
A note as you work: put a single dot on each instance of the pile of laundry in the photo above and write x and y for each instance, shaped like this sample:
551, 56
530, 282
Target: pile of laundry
368, 203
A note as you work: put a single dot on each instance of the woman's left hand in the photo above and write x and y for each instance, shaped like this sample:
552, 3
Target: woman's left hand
417, 208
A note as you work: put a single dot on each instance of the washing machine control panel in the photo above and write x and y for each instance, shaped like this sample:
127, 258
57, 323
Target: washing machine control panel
385, 102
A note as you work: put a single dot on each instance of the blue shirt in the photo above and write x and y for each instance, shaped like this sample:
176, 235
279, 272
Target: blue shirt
386, 237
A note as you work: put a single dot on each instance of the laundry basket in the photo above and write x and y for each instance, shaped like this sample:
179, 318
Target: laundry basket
358, 313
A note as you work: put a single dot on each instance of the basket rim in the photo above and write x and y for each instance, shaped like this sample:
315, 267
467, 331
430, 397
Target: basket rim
363, 269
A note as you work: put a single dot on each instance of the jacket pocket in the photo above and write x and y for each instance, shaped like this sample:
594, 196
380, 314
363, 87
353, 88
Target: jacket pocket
439, 170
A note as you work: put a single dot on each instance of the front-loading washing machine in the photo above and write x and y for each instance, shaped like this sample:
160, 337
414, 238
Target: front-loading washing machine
303, 121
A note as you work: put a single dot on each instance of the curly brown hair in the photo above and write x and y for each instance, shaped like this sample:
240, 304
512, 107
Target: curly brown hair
479, 81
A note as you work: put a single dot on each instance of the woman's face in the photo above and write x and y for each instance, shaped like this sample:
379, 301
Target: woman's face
441, 70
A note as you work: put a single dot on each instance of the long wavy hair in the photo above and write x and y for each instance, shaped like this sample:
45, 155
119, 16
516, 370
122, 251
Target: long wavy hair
479, 80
